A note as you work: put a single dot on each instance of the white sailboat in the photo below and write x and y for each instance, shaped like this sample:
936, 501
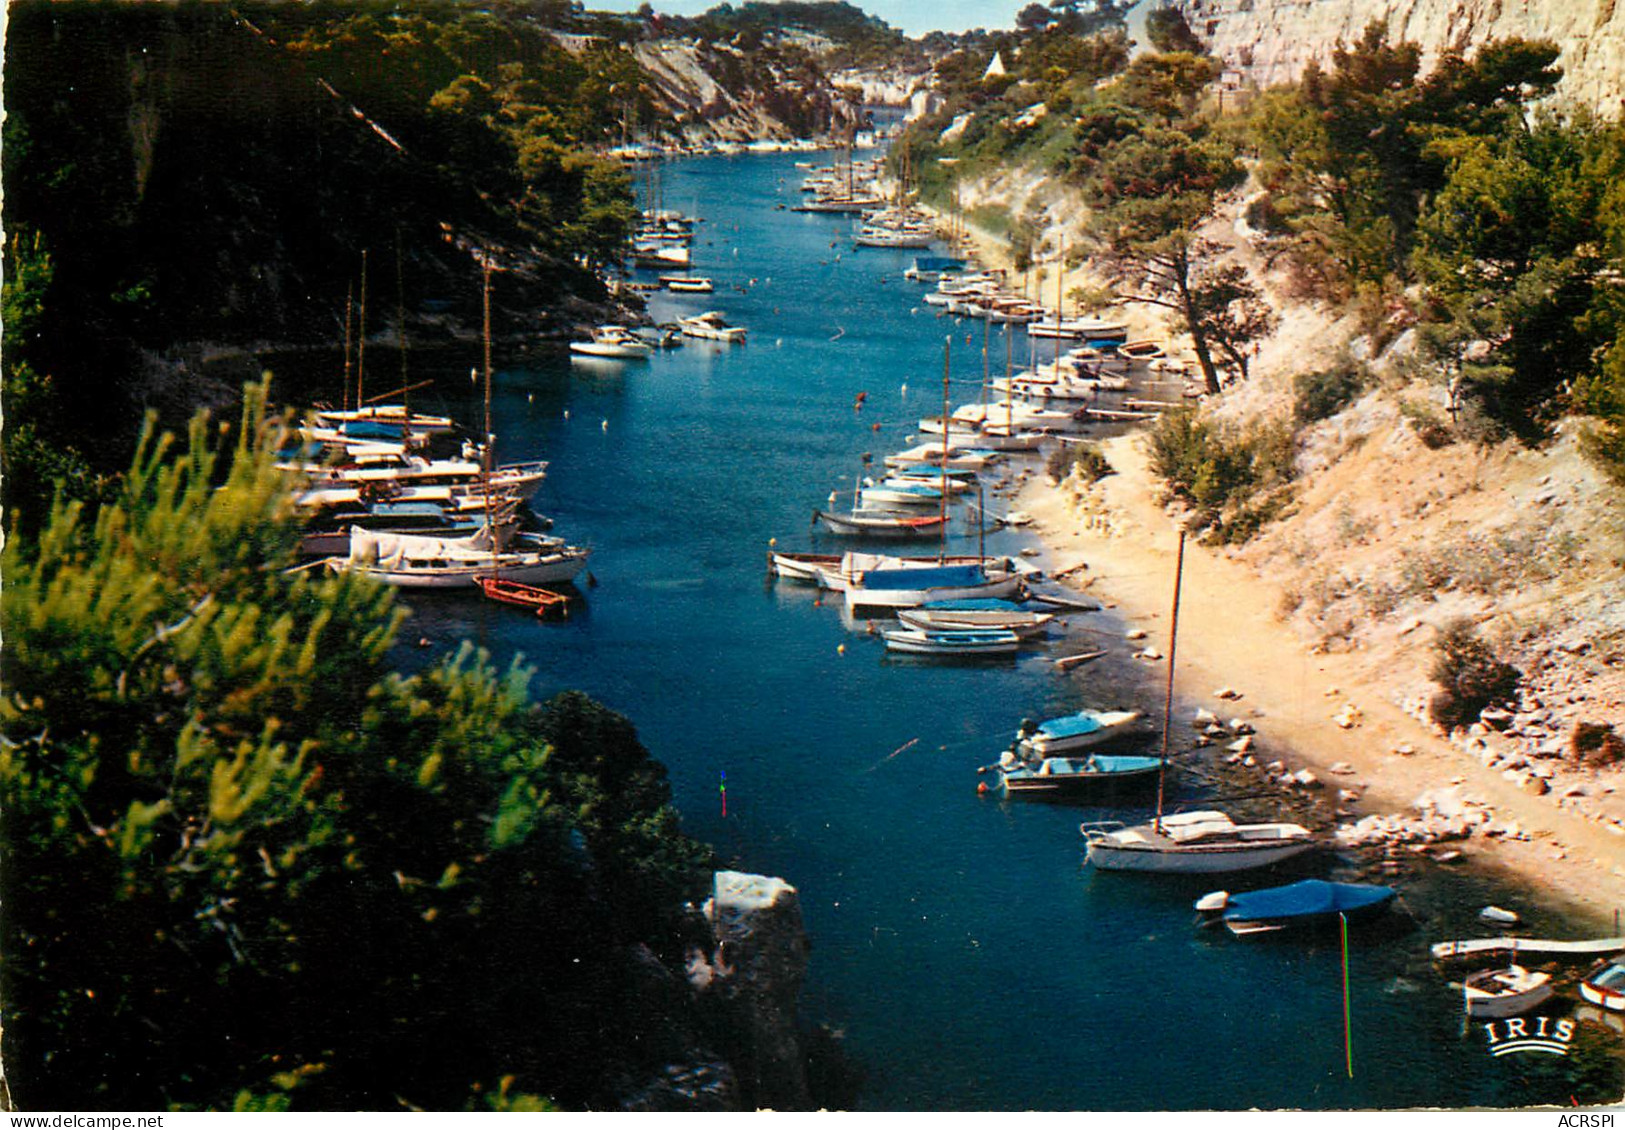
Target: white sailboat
1189, 843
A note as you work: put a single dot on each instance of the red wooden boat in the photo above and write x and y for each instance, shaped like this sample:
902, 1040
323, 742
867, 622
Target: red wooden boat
544, 601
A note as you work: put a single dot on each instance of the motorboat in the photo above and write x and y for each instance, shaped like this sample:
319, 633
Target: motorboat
612, 341
1080, 730
871, 522
1070, 776
711, 326
680, 285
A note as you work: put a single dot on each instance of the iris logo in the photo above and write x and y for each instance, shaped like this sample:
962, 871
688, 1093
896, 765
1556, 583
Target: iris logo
1540, 1034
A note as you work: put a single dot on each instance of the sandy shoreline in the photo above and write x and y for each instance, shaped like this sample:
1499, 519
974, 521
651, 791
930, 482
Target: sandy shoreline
1230, 637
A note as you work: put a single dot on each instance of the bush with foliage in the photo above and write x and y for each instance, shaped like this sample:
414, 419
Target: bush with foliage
1082, 459
1325, 392
248, 866
1470, 676
1222, 473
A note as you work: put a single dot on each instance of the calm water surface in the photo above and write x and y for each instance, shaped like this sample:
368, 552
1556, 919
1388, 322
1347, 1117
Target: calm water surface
970, 959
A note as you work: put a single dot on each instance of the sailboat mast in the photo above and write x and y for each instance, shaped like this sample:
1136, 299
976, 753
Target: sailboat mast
1009, 386
942, 503
349, 317
1060, 281
987, 321
400, 330
361, 341
485, 455
1168, 701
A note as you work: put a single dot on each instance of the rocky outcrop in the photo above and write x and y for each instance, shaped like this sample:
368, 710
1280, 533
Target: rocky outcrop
714, 91
1270, 41
749, 981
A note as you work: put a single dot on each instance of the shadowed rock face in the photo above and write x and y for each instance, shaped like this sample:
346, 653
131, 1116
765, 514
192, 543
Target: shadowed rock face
751, 980
1270, 41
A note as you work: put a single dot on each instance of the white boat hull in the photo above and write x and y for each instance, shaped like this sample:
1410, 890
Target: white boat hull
858, 597
1195, 859
619, 352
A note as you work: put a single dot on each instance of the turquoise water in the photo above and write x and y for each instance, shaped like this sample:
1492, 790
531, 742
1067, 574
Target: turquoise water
969, 958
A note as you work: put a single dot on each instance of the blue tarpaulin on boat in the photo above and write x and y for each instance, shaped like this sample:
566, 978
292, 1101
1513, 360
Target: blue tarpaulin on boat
1070, 726
938, 263
1305, 899
939, 577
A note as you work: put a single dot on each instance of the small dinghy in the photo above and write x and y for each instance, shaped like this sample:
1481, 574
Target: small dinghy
1071, 776
913, 641
1305, 903
544, 602
1513, 991
1605, 985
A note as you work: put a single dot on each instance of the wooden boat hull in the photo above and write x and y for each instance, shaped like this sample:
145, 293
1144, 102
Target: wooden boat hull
541, 601
900, 526
1609, 995
951, 644
858, 597
1490, 994
1023, 624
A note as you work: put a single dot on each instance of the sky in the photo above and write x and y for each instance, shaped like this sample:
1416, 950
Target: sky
914, 17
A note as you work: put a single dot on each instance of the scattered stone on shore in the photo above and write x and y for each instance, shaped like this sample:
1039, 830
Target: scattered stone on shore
1240, 726
1134, 634
1204, 718
1227, 693
1305, 779
1348, 796
1405, 749
1148, 653
1241, 745
1342, 769
1348, 717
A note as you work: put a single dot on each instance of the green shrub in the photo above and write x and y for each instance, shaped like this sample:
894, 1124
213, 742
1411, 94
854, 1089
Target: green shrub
1470, 676
1326, 392
1219, 472
1091, 466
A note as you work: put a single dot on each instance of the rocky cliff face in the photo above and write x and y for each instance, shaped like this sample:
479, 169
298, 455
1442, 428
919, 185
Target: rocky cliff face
1270, 41
714, 91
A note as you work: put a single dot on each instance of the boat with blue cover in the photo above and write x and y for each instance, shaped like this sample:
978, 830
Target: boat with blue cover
913, 641
1055, 776
1304, 903
910, 588
1075, 731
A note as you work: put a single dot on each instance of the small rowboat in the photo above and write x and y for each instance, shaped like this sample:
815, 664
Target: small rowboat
1304, 903
1495, 993
881, 523
990, 613
912, 641
544, 601
1605, 985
